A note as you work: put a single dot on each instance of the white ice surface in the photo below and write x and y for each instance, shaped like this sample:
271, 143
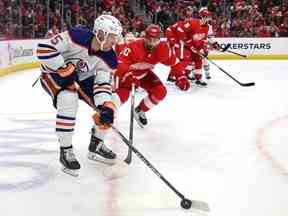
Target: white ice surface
224, 144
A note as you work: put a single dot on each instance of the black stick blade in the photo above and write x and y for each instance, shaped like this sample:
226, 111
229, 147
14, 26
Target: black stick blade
248, 84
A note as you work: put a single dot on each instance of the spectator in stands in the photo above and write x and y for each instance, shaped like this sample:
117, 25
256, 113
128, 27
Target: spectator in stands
238, 18
52, 32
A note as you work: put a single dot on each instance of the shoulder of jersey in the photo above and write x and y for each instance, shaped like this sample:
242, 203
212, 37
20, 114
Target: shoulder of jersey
135, 43
109, 57
81, 36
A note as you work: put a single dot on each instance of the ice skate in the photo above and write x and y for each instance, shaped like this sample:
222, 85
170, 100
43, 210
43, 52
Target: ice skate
140, 117
99, 152
171, 79
70, 164
201, 83
191, 76
207, 75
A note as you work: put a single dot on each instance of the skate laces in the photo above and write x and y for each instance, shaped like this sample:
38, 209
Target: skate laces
70, 155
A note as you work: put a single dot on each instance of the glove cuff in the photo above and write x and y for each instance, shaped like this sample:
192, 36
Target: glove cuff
110, 105
66, 70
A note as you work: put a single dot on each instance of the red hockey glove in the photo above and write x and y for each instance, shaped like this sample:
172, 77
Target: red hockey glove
183, 83
128, 79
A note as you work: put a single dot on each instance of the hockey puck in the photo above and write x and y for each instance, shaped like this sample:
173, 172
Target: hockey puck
186, 203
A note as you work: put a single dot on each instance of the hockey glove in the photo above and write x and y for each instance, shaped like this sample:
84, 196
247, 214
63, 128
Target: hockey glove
68, 75
105, 115
183, 83
66, 70
128, 79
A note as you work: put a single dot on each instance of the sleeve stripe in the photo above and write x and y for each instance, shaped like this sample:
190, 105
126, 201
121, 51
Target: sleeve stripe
41, 51
46, 46
100, 92
101, 84
108, 87
65, 117
48, 56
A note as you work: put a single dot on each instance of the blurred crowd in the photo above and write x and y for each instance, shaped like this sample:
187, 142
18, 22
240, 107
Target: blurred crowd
43, 18
230, 18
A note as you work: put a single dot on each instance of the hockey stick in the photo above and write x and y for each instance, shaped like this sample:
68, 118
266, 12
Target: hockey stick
235, 53
181, 50
36, 81
185, 203
226, 49
240, 83
128, 159
92, 105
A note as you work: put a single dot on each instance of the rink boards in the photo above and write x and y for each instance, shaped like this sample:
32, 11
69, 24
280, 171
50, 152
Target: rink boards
21, 54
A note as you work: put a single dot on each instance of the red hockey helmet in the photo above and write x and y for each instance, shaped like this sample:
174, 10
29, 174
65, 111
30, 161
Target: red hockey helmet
153, 31
203, 12
152, 37
204, 15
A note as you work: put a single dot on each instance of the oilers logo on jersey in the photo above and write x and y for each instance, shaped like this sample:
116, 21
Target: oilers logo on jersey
81, 65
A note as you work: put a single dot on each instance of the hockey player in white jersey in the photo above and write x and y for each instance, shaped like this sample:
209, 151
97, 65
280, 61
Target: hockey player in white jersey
87, 58
206, 65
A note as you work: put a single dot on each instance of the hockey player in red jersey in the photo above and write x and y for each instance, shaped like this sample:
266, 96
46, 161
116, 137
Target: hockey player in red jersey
193, 40
172, 35
135, 66
121, 45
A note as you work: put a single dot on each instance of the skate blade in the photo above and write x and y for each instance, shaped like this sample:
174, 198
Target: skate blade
74, 173
97, 158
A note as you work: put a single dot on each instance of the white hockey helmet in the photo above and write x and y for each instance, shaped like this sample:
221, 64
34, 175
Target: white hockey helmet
108, 24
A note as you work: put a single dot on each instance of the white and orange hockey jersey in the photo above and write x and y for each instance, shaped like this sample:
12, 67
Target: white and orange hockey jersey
74, 46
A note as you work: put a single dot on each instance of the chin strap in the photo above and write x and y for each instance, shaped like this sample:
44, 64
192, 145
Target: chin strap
101, 42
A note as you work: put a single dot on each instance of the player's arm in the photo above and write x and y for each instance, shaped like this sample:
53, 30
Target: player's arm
181, 32
211, 42
178, 70
125, 69
102, 91
50, 53
124, 62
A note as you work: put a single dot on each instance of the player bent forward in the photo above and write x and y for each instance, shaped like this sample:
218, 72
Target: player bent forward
84, 57
136, 62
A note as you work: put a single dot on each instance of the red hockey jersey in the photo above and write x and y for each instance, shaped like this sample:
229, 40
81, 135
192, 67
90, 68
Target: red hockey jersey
136, 58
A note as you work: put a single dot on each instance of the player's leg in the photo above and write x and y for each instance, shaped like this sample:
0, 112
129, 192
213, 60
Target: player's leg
156, 93
206, 68
66, 103
190, 71
198, 69
97, 150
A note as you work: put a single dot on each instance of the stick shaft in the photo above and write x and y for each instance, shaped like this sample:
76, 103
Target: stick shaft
128, 158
